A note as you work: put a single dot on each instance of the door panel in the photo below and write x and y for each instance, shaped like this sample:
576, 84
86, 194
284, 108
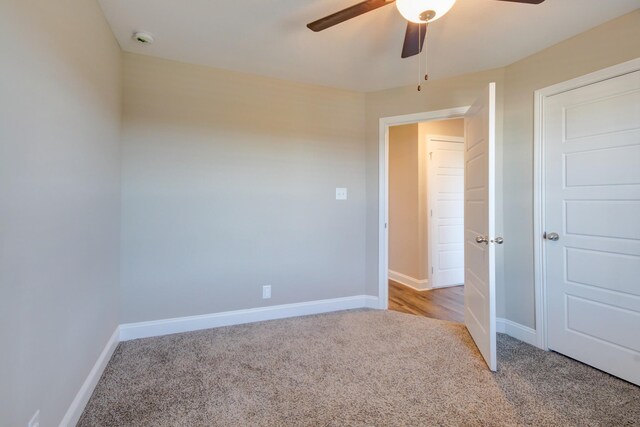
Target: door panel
585, 119
613, 271
450, 184
604, 218
476, 171
592, 200
620, 329
450, 234
479, 218
588, 168
450, 260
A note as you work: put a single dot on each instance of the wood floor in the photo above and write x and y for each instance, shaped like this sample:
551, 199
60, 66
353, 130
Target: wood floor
443, 304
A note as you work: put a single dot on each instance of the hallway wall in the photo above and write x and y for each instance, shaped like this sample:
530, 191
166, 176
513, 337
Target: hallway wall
405, 230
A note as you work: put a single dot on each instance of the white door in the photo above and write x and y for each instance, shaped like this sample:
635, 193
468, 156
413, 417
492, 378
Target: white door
592, 205
479, 224
446, 206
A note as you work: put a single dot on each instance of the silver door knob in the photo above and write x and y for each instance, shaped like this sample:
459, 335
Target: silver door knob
552, 236
482, 239
498, 240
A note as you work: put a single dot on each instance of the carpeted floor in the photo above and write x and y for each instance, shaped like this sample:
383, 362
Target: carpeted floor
353, 368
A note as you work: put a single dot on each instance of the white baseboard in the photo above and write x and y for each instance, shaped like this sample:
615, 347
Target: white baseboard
130, 331
446, 286
74, 412
517, 331
154, 328
403, 279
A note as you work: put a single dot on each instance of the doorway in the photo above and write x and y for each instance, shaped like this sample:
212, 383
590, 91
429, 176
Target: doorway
426, 213
480, 240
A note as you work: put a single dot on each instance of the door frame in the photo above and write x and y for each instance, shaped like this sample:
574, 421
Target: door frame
383, 186
430, 188
539, 183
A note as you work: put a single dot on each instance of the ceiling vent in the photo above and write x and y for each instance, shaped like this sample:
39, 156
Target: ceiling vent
142, 37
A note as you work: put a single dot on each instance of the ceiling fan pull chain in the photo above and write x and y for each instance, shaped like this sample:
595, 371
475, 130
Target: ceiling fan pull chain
419, 68
426, 55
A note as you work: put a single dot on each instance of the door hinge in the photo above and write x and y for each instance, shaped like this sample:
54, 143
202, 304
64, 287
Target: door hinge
431, 155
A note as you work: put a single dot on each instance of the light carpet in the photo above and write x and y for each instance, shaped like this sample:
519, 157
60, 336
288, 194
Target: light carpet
352, 368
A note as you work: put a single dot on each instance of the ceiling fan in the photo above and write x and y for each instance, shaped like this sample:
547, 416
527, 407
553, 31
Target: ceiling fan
418, 13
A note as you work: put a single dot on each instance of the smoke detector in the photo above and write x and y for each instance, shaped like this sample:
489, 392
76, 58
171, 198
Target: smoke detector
143, 37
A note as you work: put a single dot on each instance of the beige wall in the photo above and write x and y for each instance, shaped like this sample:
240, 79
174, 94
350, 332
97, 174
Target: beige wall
404, 214
60, 98
609, 44
229, 184
408, 181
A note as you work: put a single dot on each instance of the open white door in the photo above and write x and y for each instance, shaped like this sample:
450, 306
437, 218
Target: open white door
479, 224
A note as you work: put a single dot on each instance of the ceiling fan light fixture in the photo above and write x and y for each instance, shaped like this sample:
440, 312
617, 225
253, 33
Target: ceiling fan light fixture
421, 11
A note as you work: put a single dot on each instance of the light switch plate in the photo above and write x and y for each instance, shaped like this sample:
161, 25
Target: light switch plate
341, 194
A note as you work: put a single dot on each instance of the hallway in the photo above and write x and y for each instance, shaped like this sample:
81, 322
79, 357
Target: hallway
443, 304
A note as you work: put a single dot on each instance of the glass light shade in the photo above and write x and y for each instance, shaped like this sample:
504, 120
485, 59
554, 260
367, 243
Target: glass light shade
412, 9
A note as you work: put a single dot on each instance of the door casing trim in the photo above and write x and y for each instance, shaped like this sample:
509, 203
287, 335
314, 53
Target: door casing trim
383, 187
539, 183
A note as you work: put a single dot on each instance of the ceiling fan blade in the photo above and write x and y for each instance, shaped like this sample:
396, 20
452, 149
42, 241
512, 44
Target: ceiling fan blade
411, 46
525, 1
346, 14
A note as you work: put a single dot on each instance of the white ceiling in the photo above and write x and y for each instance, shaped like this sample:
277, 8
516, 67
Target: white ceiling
270, 38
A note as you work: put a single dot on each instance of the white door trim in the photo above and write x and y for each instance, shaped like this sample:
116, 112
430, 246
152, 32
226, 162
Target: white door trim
383, 187
430, 190
538, 181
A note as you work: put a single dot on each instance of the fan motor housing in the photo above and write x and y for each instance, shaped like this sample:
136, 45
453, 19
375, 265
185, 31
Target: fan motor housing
427, 15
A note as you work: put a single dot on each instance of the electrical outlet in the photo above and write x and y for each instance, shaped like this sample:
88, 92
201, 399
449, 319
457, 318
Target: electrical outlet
341, 194
35, 420
266, 292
